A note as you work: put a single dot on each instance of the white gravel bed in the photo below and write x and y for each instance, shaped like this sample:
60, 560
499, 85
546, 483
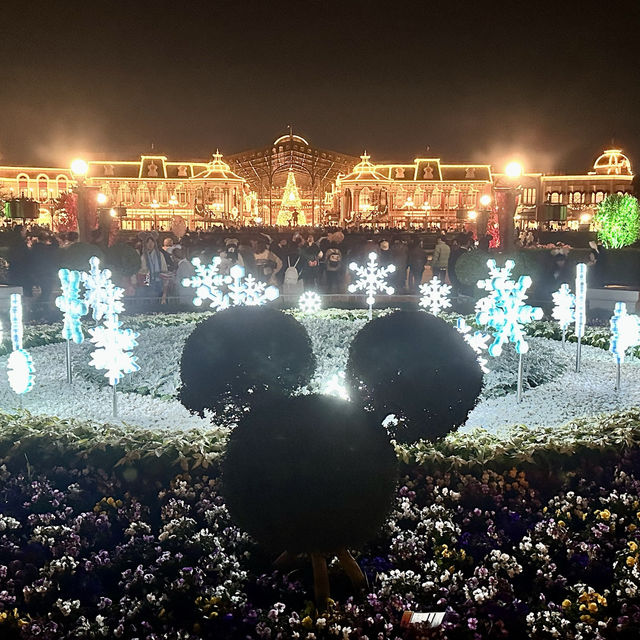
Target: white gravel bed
560, 399
86, 400
571, 395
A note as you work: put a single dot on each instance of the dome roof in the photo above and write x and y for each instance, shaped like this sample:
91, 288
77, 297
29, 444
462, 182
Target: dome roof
218, 169
613, 162
364, 171
293, 137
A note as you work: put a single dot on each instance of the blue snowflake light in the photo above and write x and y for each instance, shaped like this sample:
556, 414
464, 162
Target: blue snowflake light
504, 310
72, 305
208, 284
101, 295
564, 303
246, 290
435, 296
113, 352
371, 278
580, 313
20, 369
625, 331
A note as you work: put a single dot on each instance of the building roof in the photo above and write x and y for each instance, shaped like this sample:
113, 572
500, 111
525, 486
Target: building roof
216, 169
364, 171
613, 162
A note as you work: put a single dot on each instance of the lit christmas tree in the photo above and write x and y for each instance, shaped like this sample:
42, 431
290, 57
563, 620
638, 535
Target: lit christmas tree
291, 202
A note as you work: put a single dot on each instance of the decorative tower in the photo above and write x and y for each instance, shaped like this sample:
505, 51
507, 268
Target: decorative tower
291, 203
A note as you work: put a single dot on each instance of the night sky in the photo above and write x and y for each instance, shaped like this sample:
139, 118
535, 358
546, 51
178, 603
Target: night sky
550, 83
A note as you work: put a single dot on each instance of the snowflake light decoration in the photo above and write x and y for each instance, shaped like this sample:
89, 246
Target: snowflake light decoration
435, 295
625, 331
207, 283
246, 290
476, 340
72, 305
564, 303
335, 386
20, 369
371, 278
101, 295
113, 351
310, 302
580, 313
504, 309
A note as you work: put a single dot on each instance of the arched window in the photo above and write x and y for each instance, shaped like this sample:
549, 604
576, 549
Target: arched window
599, 197
62, 184
471, 199
365, 197
144, 194
43, 187
453, 199
181, 195
436, 199
556, 198
23, 185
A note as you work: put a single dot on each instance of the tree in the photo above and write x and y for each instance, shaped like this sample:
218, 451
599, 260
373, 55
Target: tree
418, 368
618, 220
241, 353
310, 474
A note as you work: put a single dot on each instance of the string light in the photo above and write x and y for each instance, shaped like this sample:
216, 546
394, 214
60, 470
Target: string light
20, 369
310, 302
435, 296
625, 331
371, 278
72, 305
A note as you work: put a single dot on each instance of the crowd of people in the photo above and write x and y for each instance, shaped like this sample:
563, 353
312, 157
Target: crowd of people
295, 261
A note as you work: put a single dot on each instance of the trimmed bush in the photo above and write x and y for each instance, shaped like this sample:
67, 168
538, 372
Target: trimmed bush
76, 256
310, 473
239, 353
417, 367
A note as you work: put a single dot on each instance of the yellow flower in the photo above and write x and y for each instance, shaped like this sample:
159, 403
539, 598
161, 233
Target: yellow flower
593, 607
633, 547
307, 622
566, 604
602, 600
632, 527
606, 514
630, 561
561, 523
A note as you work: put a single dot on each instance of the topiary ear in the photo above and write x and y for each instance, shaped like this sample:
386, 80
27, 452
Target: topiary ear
239, 354
418, 367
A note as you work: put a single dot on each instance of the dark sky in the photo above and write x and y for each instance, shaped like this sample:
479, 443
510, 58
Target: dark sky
549, 82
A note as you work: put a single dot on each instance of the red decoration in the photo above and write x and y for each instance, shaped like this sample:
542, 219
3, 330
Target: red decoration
66, 212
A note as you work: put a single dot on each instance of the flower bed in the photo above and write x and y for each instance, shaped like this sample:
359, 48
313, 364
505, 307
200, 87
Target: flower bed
531, 537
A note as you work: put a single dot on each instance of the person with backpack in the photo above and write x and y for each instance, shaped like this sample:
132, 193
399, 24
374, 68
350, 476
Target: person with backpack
334, 264
267, 263
311, 255
229, 256
292, 283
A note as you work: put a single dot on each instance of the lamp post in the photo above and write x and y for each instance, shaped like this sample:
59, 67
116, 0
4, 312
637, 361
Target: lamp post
507, 193
86, 204
154, 205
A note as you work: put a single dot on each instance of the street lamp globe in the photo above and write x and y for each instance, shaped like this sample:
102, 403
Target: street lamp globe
101, 198
513, 170
79, 167
472, 215
485, 200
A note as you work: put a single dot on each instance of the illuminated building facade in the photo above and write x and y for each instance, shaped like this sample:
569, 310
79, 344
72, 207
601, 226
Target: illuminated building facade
424, 193
291, 182
268, 171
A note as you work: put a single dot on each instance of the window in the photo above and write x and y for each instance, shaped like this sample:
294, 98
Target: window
436, 199
23, 185
556, 198
453, 199
529, 196
471, 199
43, 188
62, 184
365, 197
599, 197
145, 195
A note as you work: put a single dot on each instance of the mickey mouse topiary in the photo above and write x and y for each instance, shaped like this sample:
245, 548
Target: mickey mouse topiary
417, 367
310, 474
237, 354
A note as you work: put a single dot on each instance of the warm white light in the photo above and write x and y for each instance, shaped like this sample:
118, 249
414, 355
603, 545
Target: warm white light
585, 218
79, 167
112, 213
101, 198
472, 215
485, 200
513, 170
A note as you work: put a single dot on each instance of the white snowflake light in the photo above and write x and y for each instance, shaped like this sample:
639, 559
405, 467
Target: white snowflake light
310, 302
72, 305
580, 314
625, 331
208, 284
246, 290
335, 386
435, 296
20, 369
564, 303
101, 295
113, 352
371, 278
476, 340
504, 309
